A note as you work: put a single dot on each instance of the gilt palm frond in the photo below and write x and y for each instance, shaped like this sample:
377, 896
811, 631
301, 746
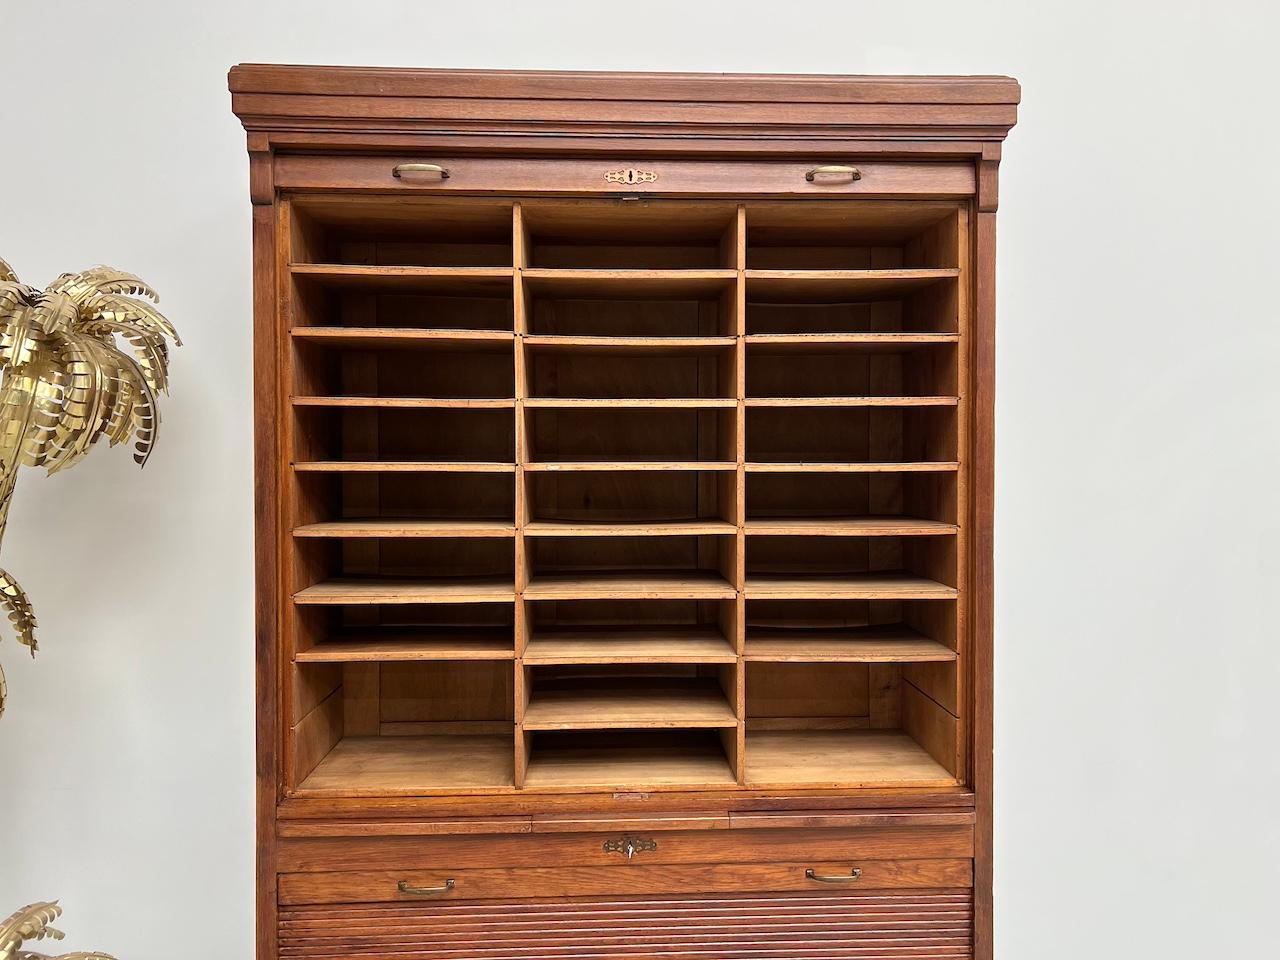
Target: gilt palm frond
82, 360
32, 923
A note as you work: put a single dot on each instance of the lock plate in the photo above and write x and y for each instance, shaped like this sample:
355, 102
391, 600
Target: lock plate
631, 175
630, 846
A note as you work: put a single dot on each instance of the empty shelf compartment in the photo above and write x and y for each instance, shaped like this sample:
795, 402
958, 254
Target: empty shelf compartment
600, 703
401, 230
648, 234
625, 760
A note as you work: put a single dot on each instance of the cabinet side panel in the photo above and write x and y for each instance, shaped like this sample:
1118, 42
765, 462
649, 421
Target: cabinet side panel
982, 562
266, 402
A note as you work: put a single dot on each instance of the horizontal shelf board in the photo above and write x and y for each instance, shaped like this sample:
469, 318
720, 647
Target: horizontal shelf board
391, 528
835, 466
399, 766
850, 586
443, 643
839, 286
345, 590
629, 768
613, 528
650, 346
451, 281
403, 403
849, 527
418, 338
852, 401
629, 705
628, 284
579, 403
802, 343
401, 466
630, 466
891, 643
840, 758
639, 644
634, 585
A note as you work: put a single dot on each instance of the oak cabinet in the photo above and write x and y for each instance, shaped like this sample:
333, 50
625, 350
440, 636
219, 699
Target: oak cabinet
624, 499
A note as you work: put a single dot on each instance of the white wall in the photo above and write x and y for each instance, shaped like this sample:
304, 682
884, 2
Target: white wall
1138, 458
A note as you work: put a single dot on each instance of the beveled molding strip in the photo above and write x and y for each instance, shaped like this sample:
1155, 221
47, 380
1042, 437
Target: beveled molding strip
300, 99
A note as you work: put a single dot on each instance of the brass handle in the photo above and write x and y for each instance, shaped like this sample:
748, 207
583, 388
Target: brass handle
403, 887
853, 875
853, 173
402, 168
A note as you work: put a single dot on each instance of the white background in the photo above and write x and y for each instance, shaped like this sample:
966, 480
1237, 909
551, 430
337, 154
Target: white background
1139, 459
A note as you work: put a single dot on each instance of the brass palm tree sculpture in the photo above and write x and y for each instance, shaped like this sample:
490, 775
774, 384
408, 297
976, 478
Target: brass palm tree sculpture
67, 383
32, 922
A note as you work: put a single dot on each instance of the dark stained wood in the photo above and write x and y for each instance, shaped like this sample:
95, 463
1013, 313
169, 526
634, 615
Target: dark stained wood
765, 844
982, 557
836, 328
266, 498
477, 175
932, 923
374, 886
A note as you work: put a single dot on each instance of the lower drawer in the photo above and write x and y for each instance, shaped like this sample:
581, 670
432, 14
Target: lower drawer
881, 925
373, 886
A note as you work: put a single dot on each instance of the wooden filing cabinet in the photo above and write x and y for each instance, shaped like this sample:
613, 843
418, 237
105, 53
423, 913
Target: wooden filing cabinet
624, 508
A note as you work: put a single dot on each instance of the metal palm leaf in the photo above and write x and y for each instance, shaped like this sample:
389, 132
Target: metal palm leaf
32, 922
68, 381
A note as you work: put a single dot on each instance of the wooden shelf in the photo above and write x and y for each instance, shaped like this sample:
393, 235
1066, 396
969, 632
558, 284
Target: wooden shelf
638, 704
893, 643
851, 586
640, 528
401, 466
628, 668
400, 766
368, 338
441, 281
630, 466
634, 585
409, 403
851, 401
648, 346
640, 644
848, 527
839, 286
792, 466
580, 403
628, 284
840, 758
453, 590
633, 767
801, 343
389, 528
444, 643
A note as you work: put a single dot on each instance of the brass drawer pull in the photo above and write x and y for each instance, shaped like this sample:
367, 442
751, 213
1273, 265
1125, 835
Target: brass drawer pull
853, 875
853, 173
403, 887
402, 168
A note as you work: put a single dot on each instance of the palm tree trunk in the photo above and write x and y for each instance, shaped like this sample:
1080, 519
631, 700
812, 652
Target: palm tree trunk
7, 483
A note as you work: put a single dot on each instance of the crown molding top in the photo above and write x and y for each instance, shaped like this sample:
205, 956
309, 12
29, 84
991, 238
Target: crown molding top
279, 99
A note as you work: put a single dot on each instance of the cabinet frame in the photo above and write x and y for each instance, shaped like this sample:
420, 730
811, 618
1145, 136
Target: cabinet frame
320, 129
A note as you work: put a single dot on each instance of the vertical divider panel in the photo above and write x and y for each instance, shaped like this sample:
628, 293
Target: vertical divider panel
964, 324
522, 614
739, 318
312, 726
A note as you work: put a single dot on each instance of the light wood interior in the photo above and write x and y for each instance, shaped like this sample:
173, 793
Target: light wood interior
598, 495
